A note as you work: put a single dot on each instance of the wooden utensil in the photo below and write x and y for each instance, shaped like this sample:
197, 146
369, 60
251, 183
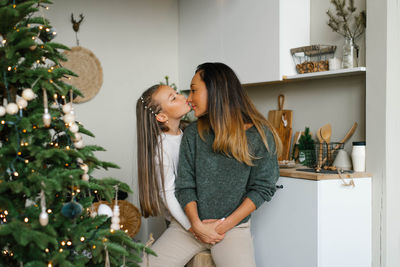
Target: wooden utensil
319, 136
326, 133
348, 135
281, 120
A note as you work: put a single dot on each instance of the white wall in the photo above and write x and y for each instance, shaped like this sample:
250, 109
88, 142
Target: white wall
137, 45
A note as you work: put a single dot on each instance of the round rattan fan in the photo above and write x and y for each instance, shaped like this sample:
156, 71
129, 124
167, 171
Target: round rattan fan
83, 62
130, 218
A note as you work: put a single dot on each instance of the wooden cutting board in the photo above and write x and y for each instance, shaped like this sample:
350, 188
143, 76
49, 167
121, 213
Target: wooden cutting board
281, 120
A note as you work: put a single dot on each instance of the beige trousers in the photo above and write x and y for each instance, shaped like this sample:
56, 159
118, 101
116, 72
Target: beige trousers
176, 247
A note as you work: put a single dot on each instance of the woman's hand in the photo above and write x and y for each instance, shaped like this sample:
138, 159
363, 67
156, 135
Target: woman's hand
205, 231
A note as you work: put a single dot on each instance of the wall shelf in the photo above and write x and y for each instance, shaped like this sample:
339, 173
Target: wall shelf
313, 76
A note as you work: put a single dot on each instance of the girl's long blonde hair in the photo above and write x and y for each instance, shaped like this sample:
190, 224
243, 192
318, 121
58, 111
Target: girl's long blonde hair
229, 109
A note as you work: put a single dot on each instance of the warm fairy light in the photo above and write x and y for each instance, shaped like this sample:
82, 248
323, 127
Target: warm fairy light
51, 81
94, 246
40, 27
67, 147
26, 219
61, 250
121, 226
51, 143
34, 127
49, 265
26, 144
73, 193
33, 37
112, 231
82, 239
22, 143
69, 243
6, 212
62, 243
49, 70
78, 190
95, 191
126, 231
5, 252
38, 61
9, 68
54, 33
33, 170
56, 144
14, 6
19, 153
47, 29
16, 173
4, 220
26, 161
11, 254
52, 68
49, 211
105, 239
24, 130
2, 122
55, 96
47, 250
47, 8
63, 96
4, 41
66, 164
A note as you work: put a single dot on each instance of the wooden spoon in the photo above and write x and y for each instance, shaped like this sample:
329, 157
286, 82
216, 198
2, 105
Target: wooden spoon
326, 133
319, 136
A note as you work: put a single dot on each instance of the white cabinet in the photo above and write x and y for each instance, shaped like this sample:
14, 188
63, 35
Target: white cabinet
314, 224
253, 37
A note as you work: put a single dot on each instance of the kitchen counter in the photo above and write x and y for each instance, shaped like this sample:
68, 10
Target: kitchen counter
293, 173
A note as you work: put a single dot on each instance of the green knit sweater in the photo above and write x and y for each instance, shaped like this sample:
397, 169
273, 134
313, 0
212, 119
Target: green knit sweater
219, 183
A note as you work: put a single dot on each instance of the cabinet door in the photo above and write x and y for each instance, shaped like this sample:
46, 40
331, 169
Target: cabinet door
285, 229
242, 34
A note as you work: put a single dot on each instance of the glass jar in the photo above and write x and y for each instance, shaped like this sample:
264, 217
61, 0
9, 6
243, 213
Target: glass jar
358, 156
349, 59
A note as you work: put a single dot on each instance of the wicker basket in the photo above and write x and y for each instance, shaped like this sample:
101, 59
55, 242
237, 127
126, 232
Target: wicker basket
130, 217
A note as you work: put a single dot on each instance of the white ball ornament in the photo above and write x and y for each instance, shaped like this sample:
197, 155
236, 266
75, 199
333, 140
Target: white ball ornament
2, 111
22, 103
77, 137
69, 118
74, 127
46, 119
104, 210
85, 168
43, 218
67, 108
28, 94
12, 108
78, 144
85, 177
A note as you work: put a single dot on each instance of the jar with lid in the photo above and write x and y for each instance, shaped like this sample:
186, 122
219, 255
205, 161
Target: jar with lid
358, 156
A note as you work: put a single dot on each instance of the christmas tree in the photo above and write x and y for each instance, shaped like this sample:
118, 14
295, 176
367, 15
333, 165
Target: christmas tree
46, 182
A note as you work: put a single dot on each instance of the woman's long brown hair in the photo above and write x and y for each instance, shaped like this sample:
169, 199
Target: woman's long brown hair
149, 153
229, 109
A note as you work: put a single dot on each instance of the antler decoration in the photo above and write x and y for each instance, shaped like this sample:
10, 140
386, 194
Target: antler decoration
76, 24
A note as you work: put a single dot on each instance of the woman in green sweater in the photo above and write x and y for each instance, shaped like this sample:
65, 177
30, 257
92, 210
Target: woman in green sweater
227, 165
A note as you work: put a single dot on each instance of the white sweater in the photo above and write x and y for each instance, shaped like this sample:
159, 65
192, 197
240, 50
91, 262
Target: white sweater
170, 145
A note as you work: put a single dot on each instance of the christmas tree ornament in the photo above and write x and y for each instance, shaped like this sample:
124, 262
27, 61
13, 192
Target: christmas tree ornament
21, 102
78, 144
77, 137
104, 209
46, 118
2, 111
74, 127
84, 167
67, 108
69, 118
12, 108
46, 115
28, 94
115, 217
43, 217
71, 209
85, 177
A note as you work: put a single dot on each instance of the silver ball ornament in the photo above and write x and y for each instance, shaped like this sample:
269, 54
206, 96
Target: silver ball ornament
78, 144
12, 108
85, 168
85, 177
77, 137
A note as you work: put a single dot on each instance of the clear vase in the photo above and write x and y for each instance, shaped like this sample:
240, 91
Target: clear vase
350, 54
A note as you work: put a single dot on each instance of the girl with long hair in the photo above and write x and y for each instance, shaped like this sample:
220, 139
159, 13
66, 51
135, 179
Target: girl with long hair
158, 115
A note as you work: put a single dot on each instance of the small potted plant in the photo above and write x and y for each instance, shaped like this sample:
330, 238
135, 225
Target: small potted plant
306, 148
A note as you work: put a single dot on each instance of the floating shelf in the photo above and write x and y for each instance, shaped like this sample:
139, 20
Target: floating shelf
312, 76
